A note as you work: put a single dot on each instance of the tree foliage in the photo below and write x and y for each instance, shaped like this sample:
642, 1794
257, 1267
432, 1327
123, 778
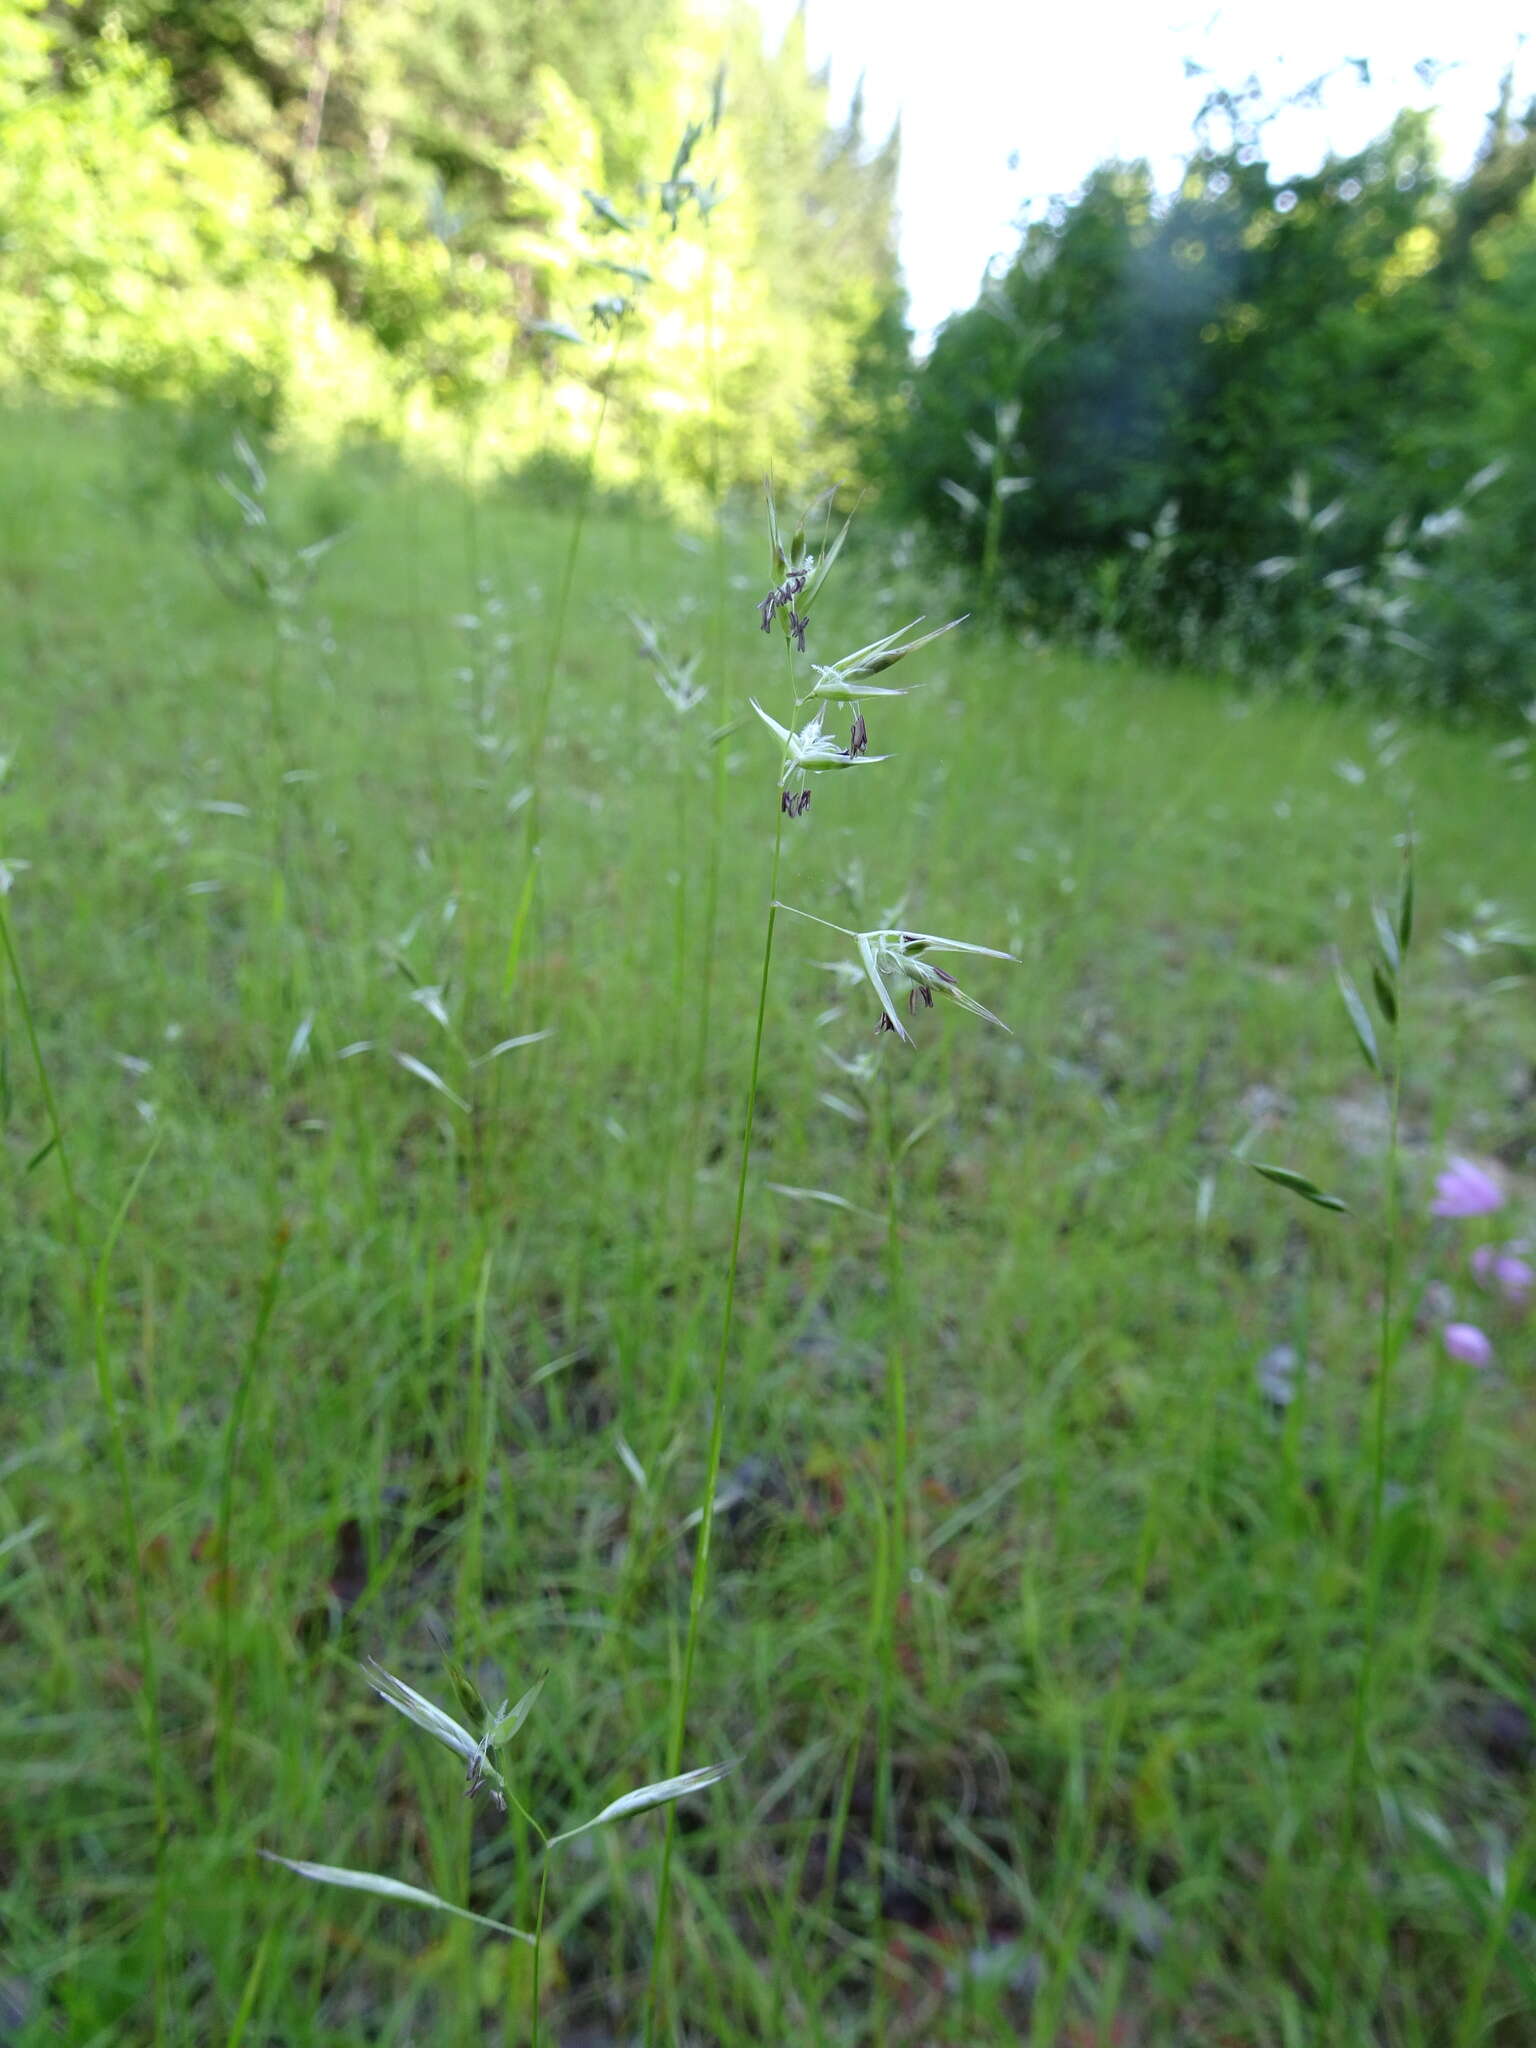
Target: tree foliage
339, 216
1287, 417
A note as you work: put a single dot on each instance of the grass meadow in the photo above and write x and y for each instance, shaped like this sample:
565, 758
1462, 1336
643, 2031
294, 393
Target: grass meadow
1043, 1576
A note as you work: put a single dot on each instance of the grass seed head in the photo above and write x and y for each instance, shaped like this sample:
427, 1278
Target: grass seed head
810, 750
846, 680
895, 963
480, 1773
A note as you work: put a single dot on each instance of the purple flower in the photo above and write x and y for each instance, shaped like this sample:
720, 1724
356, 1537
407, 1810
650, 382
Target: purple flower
1466, 1190
1466, 1343
1501, 1266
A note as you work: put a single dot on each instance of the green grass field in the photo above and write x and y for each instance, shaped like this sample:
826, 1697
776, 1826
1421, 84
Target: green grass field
390, 1358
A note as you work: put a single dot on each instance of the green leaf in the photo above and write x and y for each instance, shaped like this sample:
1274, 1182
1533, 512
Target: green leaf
825, 566
797, 539
779, 561
825, 1195
1405, 901
1386, 992
1298, 1184
39, 1156
1384, 931
1360, 1018
507, 1724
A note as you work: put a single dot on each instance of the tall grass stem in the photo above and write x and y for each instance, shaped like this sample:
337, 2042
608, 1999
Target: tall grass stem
553, 661
699, 1586
896, 1546
266, 1302
1387, 1345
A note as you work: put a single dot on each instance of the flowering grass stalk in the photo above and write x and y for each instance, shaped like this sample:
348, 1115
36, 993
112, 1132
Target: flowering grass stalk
699, 1585
610, 312
891, 959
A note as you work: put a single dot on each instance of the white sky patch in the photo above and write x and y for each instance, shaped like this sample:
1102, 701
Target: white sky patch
1003, 104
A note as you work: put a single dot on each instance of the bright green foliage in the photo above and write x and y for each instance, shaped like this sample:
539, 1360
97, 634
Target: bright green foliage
23, 51
141, 259
351, 218
1258, 417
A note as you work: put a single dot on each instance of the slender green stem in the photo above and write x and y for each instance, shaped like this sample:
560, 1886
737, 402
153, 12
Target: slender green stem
717, 804
1387, 1355
702, 1548
538, 1946
1387, 1345
675, 1108
265, 1304
552, 662
710, 923
536, 2018
478, 1429
242, 2018
896, 1547
470, 502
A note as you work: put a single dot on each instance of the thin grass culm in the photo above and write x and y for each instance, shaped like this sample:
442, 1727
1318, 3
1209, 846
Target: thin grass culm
891, 961
1394, 932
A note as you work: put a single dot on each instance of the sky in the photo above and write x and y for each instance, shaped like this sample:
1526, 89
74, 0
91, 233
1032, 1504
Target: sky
1004, 104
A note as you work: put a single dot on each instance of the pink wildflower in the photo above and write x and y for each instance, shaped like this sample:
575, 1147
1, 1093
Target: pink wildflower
1466, 1343
1466, 1190
1501, 1266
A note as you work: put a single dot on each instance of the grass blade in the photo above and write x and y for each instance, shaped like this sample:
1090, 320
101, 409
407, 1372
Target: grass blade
1298, 1184
1360, 1020
662, 1793
423, 1072
390, 1888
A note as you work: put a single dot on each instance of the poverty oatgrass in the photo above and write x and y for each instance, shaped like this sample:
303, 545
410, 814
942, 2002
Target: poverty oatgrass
487, 1767
800, 578
1093, 1750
